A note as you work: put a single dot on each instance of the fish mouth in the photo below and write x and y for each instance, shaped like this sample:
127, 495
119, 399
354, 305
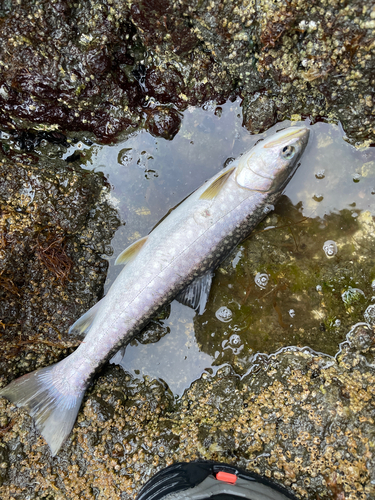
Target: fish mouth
291, 134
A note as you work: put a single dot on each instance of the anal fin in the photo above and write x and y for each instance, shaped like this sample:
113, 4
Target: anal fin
131, 251
83, 324
196, 294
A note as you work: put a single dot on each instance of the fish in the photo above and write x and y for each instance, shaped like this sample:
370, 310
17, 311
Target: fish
176, 260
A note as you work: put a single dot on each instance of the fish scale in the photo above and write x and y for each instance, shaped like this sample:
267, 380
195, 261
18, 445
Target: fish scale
176, 260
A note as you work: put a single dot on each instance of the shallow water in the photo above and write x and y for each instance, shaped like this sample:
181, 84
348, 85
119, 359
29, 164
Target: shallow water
285, 285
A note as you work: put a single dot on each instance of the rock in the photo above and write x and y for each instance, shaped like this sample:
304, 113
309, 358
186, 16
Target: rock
305, 420
77, 67
259, 113
163, 122
54, 228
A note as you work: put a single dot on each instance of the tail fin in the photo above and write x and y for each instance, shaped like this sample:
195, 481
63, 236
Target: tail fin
53, 409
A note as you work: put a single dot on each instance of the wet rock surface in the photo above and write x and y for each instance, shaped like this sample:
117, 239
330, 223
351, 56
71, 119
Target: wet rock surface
163, 122
322, 269
259, 113
305, 420
96, 66
114, 66
55, 225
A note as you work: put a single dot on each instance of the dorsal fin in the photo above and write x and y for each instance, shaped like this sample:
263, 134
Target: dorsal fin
131, 252
216, 186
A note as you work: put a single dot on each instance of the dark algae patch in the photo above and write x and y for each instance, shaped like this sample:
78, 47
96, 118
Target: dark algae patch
302, 419
105, 66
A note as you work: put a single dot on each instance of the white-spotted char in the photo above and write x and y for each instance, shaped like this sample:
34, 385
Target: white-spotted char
176, 260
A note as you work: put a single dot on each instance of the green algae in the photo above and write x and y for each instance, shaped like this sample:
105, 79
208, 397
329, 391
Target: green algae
308, 299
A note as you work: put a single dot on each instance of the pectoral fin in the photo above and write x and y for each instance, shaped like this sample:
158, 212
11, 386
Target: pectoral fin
131, 252
196, 294
83, 324
216, 186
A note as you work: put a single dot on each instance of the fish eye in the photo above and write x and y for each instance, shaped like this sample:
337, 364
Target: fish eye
288, 152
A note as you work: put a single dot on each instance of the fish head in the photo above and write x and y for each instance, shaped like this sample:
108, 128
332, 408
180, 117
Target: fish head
269, 165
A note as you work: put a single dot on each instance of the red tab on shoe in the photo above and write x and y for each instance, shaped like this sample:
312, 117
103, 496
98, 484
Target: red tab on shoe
226, 477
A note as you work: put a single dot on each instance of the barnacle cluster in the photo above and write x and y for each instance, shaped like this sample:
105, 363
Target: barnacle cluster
54, 227
305, 420
104, 66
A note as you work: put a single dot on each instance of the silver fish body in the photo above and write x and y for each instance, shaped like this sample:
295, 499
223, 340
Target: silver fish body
176, 259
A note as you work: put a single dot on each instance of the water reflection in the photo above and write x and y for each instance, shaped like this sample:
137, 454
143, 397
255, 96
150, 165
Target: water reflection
175, 358
323, 213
